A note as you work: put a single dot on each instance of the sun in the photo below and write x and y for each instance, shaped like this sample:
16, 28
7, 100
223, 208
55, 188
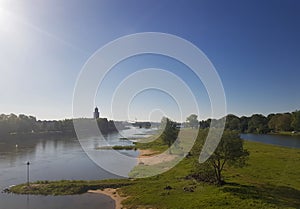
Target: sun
5, 20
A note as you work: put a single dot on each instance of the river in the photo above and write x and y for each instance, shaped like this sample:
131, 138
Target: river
57, 159
279, 140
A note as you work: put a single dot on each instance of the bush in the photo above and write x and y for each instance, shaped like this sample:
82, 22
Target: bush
204, 173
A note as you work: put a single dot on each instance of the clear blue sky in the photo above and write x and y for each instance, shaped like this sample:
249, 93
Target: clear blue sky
254, 45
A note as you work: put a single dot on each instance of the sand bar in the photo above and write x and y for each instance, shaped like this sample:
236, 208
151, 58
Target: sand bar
112, 193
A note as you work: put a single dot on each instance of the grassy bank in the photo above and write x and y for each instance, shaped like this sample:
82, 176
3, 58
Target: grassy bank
152, 143
65, 187
271, 180
117, 147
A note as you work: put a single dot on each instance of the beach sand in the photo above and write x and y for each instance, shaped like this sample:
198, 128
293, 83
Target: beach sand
150, 157
112, 193
146, 157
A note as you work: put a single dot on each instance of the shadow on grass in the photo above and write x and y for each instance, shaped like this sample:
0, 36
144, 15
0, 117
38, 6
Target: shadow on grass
279, 195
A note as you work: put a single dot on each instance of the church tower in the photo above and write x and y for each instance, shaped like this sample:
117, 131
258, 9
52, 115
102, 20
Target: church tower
96, 113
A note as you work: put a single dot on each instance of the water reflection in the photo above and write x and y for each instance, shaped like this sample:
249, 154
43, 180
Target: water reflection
287, 141
87, 201
56, 158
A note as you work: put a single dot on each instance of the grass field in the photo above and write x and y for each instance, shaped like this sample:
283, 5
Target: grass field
271, 180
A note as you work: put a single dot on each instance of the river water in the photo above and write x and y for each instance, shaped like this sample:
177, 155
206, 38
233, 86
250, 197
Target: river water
57, 159
280, 140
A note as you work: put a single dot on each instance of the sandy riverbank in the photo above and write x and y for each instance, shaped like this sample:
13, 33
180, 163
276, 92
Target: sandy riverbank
150, 157
112, 193
146, 157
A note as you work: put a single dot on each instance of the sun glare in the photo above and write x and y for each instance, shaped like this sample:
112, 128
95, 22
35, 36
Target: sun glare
5, 20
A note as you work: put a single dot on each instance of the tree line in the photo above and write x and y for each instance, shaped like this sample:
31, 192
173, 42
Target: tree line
22, 124
258, 123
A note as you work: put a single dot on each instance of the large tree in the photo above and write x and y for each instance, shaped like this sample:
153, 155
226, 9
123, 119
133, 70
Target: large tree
296, 120
192, 121
170, 132
230, 151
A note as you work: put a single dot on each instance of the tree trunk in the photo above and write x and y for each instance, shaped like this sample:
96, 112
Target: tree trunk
218, 170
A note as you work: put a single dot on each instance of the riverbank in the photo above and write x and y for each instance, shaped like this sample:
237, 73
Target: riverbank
271, 180
148, 157
113, 194
144, 158
68, 187
286, 133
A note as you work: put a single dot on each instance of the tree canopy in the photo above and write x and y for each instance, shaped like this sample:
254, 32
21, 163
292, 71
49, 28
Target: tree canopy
22, 124
170, 132
296, 121
260, 124
280, 122
230, 152
192, 121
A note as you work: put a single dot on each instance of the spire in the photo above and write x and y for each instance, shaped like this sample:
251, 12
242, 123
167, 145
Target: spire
96, 113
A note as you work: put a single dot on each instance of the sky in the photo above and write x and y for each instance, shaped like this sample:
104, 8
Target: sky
253, 45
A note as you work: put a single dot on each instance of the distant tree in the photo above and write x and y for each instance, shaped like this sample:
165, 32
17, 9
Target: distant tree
230, 151
67, 125
296, 120
103, 125
280, 122
272, 124
244, 124
170, 132
232, 122
4, 128
24, 124
258, 124
284, 122
192, 121
270, 116
205, 123
218, 123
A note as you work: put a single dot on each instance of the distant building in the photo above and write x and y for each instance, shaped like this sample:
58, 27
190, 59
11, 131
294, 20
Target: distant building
96, 113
